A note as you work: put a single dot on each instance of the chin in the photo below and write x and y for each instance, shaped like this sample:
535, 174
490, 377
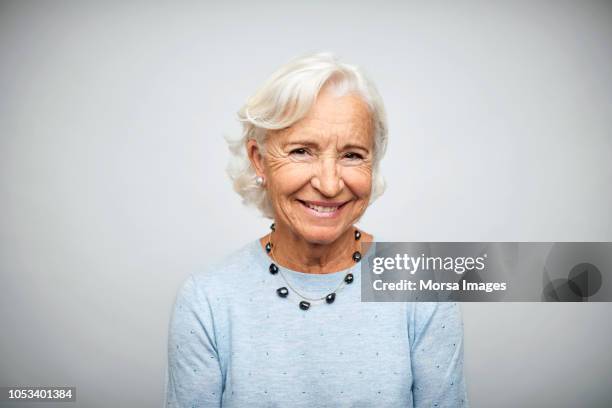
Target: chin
323, 235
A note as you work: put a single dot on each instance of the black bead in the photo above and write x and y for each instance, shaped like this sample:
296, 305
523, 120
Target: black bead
357, 235
348, 278
330, 298
273, 269
357, 256
282, 292
304, 305
268, 247
272, 227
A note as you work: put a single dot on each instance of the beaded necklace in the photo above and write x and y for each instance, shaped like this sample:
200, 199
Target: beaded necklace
306, 301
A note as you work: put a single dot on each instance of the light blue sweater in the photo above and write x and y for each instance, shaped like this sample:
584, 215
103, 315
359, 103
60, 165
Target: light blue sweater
233, 342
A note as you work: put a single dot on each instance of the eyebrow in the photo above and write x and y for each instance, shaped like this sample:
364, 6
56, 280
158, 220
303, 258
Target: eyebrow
310, 143
354, 146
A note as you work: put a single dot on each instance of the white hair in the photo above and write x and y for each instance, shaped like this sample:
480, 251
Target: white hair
285, 98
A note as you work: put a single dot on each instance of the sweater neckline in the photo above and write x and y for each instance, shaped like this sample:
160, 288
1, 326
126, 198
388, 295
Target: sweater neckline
309, 278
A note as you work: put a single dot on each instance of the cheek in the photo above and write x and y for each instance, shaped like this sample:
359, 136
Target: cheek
359, 181
288, 178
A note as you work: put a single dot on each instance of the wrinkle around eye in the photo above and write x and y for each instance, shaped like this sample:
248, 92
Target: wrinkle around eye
300, 155
357, 159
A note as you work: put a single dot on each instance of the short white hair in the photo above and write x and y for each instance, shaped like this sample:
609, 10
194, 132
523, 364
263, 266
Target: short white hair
285, 98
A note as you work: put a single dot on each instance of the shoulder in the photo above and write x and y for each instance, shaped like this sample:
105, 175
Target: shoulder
240, 268
435, 317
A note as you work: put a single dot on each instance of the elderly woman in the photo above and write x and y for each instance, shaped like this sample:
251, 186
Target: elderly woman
280, 322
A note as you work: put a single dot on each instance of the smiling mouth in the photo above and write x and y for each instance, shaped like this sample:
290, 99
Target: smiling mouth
323, 208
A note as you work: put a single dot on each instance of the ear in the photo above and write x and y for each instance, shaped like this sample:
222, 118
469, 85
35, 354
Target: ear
255, 156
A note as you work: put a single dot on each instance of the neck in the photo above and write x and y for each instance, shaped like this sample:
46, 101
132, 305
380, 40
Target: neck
293, 252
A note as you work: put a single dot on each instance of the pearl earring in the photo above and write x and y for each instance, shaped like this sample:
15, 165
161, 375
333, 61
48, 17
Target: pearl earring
259, 181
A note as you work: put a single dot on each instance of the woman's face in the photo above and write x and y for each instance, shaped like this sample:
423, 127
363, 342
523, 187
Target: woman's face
318, 172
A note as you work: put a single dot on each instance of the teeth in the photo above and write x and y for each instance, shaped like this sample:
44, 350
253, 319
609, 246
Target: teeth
319, 208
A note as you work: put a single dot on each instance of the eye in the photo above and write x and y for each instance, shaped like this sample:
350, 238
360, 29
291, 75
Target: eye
299, 152
353, 156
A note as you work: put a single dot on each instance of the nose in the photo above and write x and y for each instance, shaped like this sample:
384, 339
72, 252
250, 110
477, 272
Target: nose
328, 179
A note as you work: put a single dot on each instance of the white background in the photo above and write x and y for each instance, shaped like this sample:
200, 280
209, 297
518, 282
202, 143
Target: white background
112, 182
